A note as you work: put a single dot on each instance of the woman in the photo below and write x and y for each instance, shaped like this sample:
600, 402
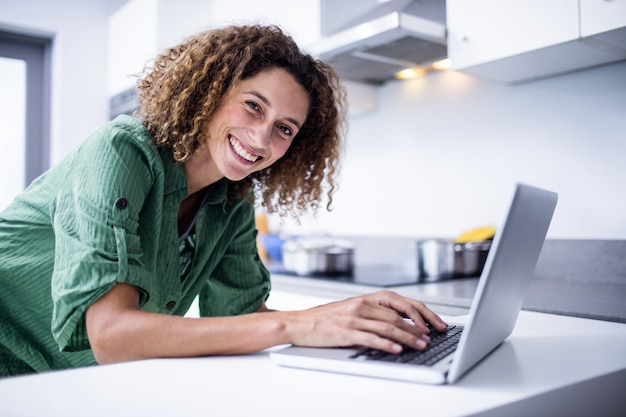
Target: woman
103, 254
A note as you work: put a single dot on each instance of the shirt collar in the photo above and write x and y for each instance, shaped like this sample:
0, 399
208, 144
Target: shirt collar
218, 193
176, 181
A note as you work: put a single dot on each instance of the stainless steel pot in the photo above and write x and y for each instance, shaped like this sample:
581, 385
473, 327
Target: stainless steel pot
318, 256
439, 259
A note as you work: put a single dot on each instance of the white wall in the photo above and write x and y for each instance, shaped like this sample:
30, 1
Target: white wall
441, 154
79, 62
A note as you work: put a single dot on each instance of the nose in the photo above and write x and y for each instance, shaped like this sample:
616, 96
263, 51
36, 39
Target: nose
260, 134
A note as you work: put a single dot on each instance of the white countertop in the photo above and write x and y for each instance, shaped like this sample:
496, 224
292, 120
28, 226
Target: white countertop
550, 365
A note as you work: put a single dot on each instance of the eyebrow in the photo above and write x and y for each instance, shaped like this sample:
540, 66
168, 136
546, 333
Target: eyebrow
267, 103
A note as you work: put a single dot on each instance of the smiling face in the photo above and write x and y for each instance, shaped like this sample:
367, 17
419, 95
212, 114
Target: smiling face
251, 129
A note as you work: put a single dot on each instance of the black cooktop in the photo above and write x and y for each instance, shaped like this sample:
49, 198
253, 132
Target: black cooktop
372, 275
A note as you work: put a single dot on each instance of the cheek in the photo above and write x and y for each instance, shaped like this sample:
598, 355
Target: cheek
280, 149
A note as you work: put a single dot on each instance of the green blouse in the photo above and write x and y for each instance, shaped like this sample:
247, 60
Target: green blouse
106, 214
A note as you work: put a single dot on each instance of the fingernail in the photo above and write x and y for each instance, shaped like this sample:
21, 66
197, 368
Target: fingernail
426, 338
421, 344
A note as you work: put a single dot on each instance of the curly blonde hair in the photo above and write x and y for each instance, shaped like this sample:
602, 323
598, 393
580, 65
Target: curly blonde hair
184, 86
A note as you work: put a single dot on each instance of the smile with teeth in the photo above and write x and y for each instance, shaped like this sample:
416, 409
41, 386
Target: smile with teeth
239, 150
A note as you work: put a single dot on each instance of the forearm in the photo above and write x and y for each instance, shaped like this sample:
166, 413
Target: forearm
119, 331
141, 335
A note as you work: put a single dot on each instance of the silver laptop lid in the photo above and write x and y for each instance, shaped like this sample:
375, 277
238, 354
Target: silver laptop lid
505, 277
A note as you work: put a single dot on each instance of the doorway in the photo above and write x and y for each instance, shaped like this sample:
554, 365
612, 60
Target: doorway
24, 111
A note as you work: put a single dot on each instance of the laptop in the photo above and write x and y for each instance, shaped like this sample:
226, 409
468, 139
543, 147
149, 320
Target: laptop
494, 310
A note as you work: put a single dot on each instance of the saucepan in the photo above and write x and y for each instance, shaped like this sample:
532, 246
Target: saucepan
311, 256
439, 259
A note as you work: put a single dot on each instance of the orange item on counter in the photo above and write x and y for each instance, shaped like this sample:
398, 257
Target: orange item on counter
262, 227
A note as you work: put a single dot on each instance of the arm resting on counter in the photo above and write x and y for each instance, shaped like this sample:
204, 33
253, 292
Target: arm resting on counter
119, 331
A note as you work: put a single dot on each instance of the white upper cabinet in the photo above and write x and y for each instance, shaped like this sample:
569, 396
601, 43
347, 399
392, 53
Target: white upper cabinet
300, 19
515, 41
480, 31
132, 42
598, 16
142, 28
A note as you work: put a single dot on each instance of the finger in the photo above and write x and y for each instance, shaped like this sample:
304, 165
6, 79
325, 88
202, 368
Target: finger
382, 314
384, 335
417, 311
407, 307
432, 317
371, 340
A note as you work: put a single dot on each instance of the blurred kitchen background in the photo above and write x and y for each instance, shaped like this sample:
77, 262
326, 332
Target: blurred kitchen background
429, 156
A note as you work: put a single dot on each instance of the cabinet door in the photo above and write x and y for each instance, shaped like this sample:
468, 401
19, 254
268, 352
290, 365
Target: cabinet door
300, 19
481, 31
338, 15
597, 16
132, 42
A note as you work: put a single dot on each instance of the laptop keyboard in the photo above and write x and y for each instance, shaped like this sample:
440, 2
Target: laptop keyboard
441, 345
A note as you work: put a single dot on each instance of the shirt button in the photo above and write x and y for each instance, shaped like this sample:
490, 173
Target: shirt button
121, 203
170, 305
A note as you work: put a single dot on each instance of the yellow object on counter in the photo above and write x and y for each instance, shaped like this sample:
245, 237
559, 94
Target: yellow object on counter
262, 228
477, 234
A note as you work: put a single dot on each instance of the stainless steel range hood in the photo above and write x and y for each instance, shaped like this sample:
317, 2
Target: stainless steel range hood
397, 34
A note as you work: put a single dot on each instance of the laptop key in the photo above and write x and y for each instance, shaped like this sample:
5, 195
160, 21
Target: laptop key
441, 345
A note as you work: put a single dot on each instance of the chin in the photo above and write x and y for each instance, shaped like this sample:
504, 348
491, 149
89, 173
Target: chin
237, 177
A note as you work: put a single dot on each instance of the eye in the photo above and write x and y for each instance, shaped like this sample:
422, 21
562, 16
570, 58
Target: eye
253, 105
286, 130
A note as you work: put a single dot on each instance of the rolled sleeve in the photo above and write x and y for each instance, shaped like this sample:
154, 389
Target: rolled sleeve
96, 229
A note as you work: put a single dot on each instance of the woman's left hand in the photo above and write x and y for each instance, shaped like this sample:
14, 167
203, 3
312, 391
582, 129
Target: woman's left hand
376, 320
